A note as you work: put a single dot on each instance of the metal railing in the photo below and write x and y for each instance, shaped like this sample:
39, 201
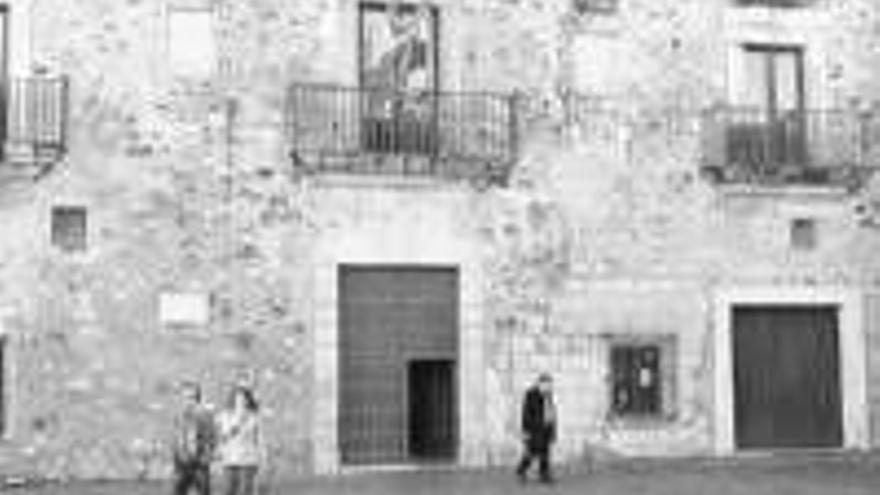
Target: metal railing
750, 144
36, 114
328, 121
773, 3
334, 128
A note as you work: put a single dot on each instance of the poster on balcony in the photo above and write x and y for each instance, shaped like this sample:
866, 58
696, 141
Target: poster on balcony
398, 57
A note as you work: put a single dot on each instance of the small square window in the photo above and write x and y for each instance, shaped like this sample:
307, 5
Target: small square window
803, 234
642, 377
69, 228
595, 6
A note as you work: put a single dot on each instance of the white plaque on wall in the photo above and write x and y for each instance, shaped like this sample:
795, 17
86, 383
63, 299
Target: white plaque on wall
184, 308
192, 53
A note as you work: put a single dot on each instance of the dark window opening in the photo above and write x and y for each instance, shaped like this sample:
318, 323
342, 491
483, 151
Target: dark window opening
637, 386
803, 234
595, 6
69, 228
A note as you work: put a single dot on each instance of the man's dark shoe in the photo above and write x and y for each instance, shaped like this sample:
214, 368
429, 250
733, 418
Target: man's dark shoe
548, 480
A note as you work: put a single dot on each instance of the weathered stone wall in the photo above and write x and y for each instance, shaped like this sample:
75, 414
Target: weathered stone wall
639, 224
174, 205
606, 229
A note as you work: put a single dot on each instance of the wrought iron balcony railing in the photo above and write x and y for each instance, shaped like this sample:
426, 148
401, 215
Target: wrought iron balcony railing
33, 128
774, 3
798, 146
333, 128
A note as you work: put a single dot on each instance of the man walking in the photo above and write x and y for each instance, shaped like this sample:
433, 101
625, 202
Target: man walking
193, 444
539, 428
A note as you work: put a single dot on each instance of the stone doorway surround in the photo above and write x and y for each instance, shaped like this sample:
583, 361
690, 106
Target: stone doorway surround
425, 246
853, 366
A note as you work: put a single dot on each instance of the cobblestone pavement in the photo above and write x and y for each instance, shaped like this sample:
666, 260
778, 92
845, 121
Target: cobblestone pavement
755, 477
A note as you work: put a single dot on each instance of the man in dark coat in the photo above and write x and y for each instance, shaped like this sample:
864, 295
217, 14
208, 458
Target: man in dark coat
539, 428
193, 444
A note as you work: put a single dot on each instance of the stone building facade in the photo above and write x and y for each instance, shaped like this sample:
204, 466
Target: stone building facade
586, 200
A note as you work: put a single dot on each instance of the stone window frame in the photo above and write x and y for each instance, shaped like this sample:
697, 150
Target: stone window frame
667, 344
63, 238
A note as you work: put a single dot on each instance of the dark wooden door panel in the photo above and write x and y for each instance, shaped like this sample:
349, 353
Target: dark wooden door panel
786, 377
386, 316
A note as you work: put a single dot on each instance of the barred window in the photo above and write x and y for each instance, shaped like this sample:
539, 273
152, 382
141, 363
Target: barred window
642, 376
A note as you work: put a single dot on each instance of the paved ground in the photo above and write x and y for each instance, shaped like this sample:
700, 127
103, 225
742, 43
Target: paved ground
799, 477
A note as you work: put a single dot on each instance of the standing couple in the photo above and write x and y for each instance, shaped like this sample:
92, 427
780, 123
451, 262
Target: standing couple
233, 437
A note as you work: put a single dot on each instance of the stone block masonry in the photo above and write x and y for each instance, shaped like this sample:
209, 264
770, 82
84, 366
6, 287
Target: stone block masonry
607, 227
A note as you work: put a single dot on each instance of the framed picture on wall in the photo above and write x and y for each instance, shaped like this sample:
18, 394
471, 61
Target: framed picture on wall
398, 48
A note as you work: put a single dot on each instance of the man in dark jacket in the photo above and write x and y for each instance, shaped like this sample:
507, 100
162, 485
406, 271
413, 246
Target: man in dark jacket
193, 444
539, 428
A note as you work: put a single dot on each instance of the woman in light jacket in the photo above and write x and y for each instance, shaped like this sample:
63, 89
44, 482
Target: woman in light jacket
241, 442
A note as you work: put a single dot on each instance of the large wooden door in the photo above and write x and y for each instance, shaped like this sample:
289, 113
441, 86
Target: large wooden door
786, 377
388, 317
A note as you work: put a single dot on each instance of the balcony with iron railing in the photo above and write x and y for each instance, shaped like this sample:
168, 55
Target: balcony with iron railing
336, 129
774, 3
811, 147
33, 126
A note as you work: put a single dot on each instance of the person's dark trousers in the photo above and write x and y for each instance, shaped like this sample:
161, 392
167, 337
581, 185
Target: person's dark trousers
536, 448
192, 475
240, 480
